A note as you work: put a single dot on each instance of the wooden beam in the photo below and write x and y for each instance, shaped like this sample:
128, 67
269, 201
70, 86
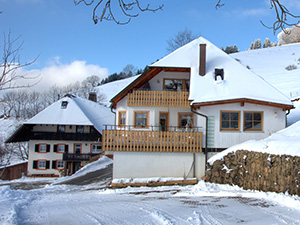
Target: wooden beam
258, 102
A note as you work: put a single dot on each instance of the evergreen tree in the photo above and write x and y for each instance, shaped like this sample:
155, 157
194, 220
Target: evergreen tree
267, 43
230, 49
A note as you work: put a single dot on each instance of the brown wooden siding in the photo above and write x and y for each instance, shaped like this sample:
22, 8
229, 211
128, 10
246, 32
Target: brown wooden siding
13, 172
158, 98
152, 141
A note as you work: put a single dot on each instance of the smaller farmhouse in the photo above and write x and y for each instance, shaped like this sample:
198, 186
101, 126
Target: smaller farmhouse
195, 101
63, 137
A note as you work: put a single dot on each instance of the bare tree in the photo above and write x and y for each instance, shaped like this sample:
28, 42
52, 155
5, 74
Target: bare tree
180, 39
129, 70
10, 64
132, 8
92, 81
283, 17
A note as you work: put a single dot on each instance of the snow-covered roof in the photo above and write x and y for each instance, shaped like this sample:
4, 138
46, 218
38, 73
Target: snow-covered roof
113, 88
239, 82
78, 111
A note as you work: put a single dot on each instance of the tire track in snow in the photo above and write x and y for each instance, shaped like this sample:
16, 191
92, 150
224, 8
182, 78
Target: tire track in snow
205, 217
159, 217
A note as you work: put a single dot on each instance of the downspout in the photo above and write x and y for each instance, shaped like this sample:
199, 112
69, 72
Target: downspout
288, 112
206, 134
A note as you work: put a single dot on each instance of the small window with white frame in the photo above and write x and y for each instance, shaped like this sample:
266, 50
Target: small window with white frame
60, 148
42, 148
41, 164
96, 148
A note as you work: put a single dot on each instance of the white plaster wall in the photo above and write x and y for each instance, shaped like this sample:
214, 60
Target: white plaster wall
157, 164
273, 121
86, 148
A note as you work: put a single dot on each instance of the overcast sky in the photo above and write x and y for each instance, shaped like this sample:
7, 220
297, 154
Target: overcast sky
71, 47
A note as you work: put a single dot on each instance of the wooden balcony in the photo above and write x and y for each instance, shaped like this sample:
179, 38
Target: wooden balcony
152, 141
158, 98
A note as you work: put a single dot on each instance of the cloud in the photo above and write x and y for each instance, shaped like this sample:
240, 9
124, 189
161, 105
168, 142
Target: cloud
62, 74
249, 12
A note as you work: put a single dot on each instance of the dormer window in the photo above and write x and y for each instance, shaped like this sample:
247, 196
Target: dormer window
219, 74
64, 104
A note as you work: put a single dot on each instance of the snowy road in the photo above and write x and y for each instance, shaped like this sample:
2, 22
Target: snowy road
198, 204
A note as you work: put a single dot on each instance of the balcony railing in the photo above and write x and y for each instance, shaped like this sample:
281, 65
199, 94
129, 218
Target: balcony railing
77, 157
65, 136
158, 98
184, 140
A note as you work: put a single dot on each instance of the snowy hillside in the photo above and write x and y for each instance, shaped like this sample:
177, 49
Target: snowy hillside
271, 64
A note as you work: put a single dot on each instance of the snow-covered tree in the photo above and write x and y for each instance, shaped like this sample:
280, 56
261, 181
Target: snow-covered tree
256, 44
231, 49
267, 43
291, 35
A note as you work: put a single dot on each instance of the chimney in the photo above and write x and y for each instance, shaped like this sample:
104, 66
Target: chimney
202, 63
93, 96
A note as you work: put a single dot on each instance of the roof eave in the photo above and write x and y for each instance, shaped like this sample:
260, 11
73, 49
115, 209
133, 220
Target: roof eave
242, 101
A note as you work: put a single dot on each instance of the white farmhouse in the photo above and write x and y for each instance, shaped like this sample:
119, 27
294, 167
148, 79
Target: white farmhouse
64, 136
195, 101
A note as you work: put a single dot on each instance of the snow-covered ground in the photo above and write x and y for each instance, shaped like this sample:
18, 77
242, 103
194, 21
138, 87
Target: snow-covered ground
203, 203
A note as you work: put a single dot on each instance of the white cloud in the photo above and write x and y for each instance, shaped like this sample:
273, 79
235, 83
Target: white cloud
249, 12
63, 74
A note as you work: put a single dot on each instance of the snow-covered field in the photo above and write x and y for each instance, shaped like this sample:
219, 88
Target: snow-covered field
203, 203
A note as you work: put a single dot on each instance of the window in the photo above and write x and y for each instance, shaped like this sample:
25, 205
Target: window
185, 120
77, 148
93, 130
79, 129
253, 121
61, 128
64, 104
96, 148
41, 164
122, 118
59, 164
141, 119
42, 148
230, 120
60, 148
176, 85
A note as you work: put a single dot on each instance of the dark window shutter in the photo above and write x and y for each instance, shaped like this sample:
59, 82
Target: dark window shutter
53, 164
54, 148
36, 148
48, 148
34, 166
47, 164
66, 148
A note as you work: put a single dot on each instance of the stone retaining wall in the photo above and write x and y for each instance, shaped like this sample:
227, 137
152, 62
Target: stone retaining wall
258, 171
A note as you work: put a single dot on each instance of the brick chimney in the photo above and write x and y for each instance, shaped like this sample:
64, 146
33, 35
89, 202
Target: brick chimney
93, 96
202, 62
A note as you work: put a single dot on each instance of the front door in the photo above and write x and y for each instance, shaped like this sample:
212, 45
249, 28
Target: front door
163, 121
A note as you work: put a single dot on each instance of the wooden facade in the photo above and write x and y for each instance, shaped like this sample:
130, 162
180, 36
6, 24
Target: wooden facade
146, 98
152, 141
12, 172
